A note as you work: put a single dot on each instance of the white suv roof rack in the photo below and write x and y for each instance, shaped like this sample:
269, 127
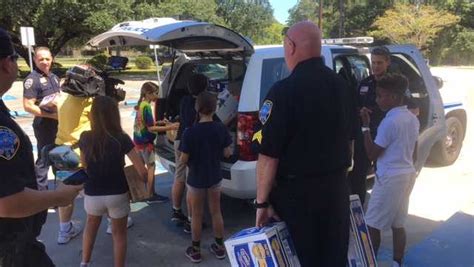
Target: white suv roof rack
349, 40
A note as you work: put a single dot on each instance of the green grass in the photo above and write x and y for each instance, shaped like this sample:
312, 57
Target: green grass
68, 62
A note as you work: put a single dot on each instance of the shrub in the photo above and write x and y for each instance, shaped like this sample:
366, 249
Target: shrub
99, 61
143, 62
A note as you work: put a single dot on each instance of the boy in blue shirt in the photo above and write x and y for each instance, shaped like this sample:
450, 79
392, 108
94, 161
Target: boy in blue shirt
202, 147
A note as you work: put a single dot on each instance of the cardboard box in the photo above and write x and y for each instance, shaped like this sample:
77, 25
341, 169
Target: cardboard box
267, 246
361, 252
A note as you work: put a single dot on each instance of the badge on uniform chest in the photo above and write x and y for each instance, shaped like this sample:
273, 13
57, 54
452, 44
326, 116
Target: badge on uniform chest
364, 90
43, 81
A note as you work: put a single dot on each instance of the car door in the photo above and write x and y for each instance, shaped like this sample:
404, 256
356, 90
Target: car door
408, 60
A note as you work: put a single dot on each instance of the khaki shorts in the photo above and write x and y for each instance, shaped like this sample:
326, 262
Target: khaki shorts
181, 168
216, 187
388, 203
148, 156
116, 206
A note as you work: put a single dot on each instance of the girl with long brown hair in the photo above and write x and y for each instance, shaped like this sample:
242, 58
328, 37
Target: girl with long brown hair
103, 151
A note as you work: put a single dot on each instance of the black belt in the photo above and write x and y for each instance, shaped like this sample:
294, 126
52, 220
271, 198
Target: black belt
296, 178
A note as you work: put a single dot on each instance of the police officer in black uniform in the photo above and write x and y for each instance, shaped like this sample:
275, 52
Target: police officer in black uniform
39, 84
309, 120
380, 59
22, 207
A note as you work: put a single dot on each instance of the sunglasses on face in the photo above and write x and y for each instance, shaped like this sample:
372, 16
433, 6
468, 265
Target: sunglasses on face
284, 33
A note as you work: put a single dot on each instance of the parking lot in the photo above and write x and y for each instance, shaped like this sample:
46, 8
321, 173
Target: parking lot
441, 205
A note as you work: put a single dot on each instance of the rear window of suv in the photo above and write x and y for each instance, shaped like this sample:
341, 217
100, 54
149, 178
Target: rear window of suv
273, 70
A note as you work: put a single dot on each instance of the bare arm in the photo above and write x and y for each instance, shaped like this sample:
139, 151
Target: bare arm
266, 171
138, 163
372, 149
30, 107
83, 160
184, 158
159, 128
29, 202
227, 152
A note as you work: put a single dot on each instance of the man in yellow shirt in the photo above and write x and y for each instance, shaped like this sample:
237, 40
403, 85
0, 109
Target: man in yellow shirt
73, 119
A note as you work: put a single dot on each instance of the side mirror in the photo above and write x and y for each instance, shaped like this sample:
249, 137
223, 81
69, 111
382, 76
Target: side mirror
439, 82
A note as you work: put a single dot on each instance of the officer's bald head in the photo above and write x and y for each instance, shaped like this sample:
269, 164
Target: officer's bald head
8, 65
302, 41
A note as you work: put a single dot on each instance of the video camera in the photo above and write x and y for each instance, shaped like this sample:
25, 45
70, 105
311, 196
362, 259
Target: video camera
87, 81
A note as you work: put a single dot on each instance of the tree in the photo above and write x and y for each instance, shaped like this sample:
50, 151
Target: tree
303, 10
455, 45
406, 23
57, 22
202, 10
272, 34
251, 18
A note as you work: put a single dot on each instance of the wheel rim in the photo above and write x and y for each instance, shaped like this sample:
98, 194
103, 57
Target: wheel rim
451, 141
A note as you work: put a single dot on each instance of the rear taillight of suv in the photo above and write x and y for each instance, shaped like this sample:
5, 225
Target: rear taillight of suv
247, 122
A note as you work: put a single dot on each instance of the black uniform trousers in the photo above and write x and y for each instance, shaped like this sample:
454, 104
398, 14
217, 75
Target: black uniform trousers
22, 252
316, 211
358, 175
45, 133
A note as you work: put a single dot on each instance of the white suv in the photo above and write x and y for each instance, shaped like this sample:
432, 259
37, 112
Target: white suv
231, 61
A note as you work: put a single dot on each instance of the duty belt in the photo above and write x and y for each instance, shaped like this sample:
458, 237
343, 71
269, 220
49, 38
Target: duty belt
13, 247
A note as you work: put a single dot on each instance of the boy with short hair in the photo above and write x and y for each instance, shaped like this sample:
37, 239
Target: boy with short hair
187, 117
202, 147
394, 149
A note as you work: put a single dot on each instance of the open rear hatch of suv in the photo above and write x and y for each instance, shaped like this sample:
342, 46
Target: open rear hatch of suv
189, 37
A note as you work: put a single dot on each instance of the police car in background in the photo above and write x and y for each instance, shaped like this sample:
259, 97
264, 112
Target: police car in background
242, 75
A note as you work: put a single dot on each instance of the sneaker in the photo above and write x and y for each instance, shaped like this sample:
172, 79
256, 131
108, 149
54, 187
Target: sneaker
187, 227
157, 199
86, 264
193, 255
65, 237
396, 264
218, 251
109, 224
178, 217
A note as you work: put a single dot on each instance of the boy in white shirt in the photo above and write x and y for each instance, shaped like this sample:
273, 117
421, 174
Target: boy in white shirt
394, 149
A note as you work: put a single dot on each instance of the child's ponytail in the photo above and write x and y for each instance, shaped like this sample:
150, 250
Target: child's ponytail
147, 88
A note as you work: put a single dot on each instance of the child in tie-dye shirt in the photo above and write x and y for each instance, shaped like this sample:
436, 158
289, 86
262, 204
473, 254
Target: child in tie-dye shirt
144, 134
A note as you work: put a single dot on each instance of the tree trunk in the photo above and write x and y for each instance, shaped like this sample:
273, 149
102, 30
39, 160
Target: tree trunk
342, 18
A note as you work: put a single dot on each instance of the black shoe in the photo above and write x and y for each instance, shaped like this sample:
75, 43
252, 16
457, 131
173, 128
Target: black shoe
187, 227
178, 217
157, 199
218, 251
193, 255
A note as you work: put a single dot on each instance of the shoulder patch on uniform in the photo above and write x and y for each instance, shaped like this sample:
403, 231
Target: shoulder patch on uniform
9, 143
28, 83
265, 111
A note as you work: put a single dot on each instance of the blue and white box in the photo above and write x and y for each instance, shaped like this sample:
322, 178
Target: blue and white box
360, 252
269, 246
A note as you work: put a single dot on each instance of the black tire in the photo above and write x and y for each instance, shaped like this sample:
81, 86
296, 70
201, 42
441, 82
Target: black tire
445, 152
